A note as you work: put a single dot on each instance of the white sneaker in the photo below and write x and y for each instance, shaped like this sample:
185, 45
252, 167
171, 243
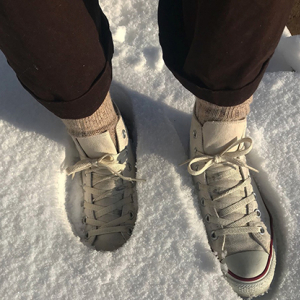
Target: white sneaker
108, 175
236, 220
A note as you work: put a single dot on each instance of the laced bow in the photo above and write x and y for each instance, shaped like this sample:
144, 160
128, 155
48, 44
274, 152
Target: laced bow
223, 158
105, 161
107, 199
228, 218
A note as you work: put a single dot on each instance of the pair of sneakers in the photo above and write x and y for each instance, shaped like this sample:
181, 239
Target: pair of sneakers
238, 225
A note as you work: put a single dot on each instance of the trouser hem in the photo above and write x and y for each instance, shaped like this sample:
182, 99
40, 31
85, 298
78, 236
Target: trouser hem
221, 97
85, 105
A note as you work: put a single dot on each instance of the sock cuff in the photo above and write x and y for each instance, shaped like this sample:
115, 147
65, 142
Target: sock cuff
206, 111
103, 119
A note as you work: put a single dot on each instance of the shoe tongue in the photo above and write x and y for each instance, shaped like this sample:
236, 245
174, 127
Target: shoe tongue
97, 145
218, 135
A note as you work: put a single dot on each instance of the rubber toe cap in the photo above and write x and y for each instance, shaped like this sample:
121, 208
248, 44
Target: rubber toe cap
248, 264
109, 242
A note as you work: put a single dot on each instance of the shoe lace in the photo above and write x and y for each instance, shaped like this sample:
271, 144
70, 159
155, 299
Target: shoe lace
107, 191
227, 188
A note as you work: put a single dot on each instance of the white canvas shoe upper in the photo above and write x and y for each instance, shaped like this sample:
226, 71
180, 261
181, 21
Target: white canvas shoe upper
108, 175
236, 220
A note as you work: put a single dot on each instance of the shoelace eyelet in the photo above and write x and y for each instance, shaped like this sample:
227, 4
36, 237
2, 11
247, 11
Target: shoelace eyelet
195, 134
86, 236
131, 214
262, 231
124, 133
129, 231
258, 212
83, 220
207, 218
202, 201
195, 150
213, 236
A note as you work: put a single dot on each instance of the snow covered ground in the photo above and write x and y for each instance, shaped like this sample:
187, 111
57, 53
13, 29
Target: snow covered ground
168, 256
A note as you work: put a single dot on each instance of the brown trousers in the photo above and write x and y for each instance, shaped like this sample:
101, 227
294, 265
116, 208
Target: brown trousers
61, 50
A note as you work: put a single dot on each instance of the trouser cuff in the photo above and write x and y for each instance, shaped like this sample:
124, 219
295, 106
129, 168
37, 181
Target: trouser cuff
86, 104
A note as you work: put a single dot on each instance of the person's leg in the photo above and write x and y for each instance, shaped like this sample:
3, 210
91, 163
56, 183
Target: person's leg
58, 54
219, 50
61, 52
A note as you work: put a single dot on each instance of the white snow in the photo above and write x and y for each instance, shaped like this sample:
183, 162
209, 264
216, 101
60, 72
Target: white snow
168, 256
119, 34
279, 60
291, 56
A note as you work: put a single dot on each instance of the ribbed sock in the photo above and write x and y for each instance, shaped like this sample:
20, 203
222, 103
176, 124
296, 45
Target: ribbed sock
206, 111
103, 119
